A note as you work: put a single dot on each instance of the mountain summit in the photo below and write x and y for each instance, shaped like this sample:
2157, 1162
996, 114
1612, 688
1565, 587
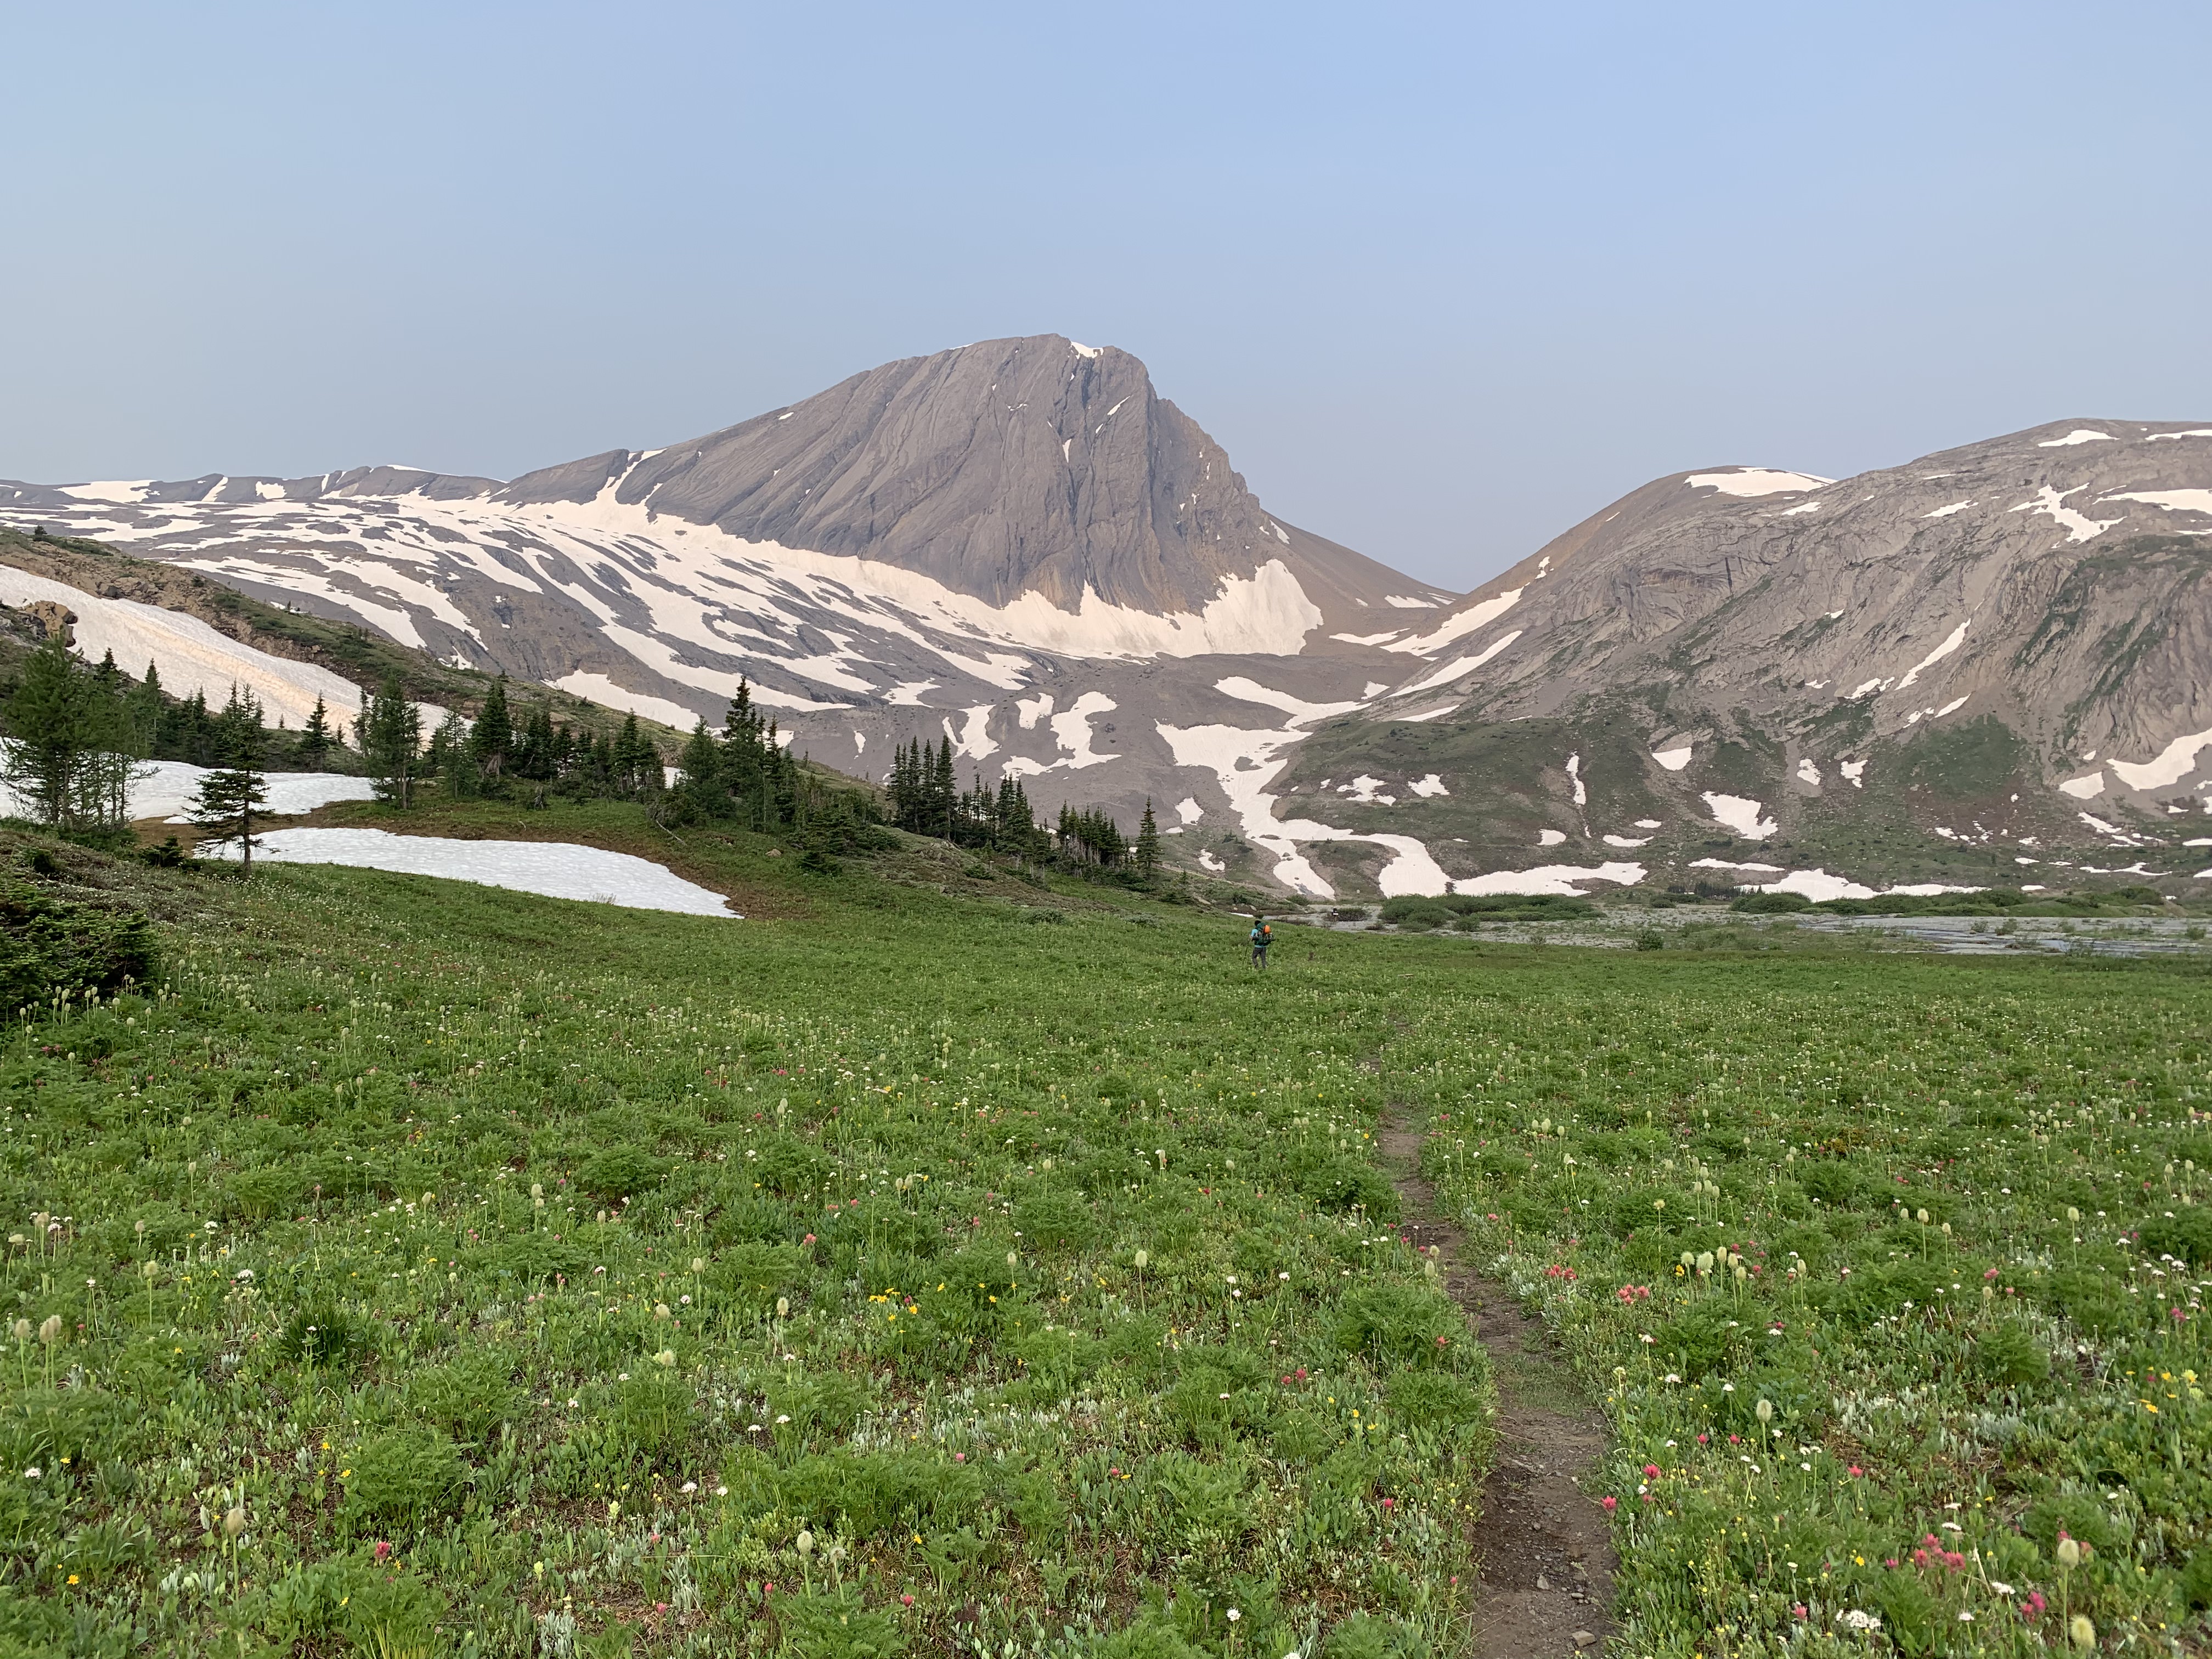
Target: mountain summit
1010, 467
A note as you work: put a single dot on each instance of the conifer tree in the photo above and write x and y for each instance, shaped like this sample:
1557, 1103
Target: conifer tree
392, 740
492, 738
1148, 844
316, 740
233, 800
66, 756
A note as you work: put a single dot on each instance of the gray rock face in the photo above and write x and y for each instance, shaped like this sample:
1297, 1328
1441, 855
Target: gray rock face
2054, 579
1015, 467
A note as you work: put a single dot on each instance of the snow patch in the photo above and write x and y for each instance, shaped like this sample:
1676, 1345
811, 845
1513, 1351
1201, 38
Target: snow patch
1081, 351
973, 738
1457, 626
1405, 602
599, 688
1362, 789
1741, 814
1575, 776
1429, 787
1626, 841
1946, 512
1755, 480
2088, 787
1028, 710
1648, 824
1808, 773
1672, 759
1207, 860
1558, 880
1188, 810
190, 655
1956, 638
2051, 502
2080, 434
2194, 432
164, 789
556, 869
1453, 670
2173, 500
1301, 712
1550, 837
2171, 763
1950, 707
1073, 731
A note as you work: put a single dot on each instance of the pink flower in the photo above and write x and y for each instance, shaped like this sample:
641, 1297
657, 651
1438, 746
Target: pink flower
1798, 1613
905, 1601
1704, 1439
1991, 1274
1611, 1505
1389, 1503
1650, 1471
383, 1551
960, 1457
1857, 1473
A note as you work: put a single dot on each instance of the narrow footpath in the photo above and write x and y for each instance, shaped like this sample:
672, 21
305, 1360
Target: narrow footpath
1543, 1550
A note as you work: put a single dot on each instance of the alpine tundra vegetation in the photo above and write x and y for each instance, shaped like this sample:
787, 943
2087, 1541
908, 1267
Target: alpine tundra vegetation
400, 1266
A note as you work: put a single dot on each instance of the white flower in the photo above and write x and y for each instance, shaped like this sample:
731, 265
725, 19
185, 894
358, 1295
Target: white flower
1855, 1620
2000, 1587
1966, 1618
688, 1486
1234, 1615
33, 1472
785, 1418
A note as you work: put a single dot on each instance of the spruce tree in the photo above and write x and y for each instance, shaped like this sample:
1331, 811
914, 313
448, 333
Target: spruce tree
1148, 844
316, 740
65, 755
392, 740
492, 739
233, 800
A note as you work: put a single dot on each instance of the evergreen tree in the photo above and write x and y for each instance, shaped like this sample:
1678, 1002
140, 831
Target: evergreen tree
232, 799
391, 730
1148, 844
67, 752
316, 740
452, 759
536, 751
492, 738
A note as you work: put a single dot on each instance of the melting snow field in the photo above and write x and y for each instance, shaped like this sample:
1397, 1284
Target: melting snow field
167, 788
555, 869
190, 655
1741, 815
1556, 880
1754, 481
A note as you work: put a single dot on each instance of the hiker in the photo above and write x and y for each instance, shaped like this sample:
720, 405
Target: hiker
1262, 937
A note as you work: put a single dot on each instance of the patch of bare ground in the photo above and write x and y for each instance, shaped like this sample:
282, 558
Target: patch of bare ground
1543, 1550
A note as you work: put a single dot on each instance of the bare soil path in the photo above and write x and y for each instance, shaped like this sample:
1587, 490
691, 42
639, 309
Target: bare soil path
1543, 1549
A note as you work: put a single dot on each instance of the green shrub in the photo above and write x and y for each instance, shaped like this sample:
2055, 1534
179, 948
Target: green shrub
469, 1396
654, 1415
328, 1338
1432, 1399
54, 944
788, 1167
1399, 1324
1772, 904
620, 1172
1055, 1222
402, 1480
1364, 1635
2012, 1355
836, 1623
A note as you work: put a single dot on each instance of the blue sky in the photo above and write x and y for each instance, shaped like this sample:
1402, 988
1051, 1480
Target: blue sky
1444, 280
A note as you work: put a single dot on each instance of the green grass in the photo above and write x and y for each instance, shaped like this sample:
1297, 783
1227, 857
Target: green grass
902, 1151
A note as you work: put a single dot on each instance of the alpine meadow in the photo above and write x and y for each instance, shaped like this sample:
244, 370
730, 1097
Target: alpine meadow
406, 1267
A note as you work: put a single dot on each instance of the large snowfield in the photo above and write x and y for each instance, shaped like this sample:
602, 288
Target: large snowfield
555, 869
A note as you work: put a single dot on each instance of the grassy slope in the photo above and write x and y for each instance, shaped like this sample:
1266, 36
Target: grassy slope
422, 1052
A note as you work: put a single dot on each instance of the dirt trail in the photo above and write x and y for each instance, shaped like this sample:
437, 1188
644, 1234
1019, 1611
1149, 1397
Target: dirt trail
1544, 1552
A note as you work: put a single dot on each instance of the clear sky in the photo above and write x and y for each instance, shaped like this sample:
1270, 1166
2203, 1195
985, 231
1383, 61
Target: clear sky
1442, 279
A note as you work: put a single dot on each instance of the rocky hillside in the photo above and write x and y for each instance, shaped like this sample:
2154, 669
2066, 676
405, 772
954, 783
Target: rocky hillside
1965, 660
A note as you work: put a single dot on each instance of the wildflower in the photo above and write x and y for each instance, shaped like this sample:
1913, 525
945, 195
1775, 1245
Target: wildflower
2082, 1631
1650, 1471
1611, 1505
2069, 1552
905, 1601
382, 1551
